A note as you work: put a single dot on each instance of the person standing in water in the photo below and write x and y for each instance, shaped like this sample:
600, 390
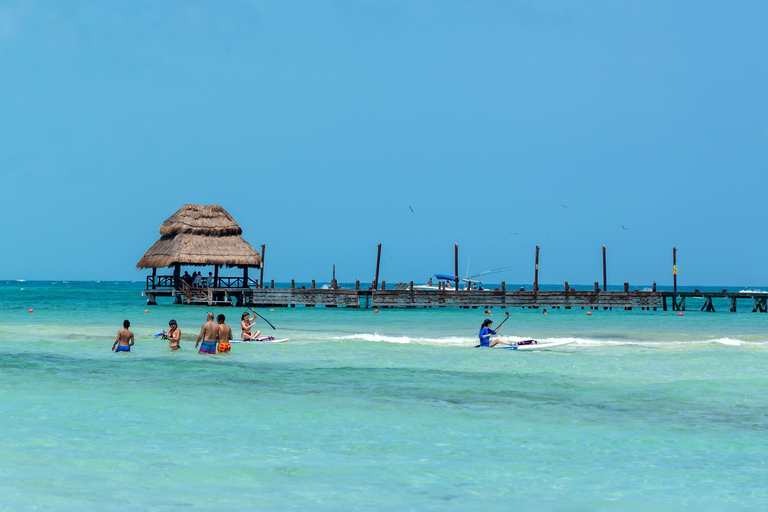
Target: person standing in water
225, 335
174, 336
124, 340
245, 325
486, 334
209, 334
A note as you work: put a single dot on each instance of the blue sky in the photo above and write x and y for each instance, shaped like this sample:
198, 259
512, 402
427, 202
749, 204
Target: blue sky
318, 124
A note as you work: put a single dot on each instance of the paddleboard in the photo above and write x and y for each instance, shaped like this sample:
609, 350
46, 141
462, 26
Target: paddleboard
259, 341
539, 346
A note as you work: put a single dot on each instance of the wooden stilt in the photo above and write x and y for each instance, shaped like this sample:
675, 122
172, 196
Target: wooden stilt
378, 262
605, 282
261, 277
674, 268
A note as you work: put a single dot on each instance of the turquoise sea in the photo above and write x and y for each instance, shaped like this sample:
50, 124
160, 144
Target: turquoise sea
387, 411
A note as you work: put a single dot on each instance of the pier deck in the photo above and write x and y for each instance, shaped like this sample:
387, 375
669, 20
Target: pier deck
414, 298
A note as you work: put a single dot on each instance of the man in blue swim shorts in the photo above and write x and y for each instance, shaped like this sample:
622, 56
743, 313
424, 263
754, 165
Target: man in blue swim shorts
124, 339
209, 333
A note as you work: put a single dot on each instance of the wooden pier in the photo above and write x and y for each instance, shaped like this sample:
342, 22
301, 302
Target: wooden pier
677, 300
206, 235
232, 292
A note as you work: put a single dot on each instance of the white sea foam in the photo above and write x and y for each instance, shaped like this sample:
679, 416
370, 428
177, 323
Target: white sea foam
752, 291
21, 280
728, 341
577, 342
453, 340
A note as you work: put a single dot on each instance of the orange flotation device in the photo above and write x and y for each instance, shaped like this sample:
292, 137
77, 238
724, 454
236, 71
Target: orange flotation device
224, 347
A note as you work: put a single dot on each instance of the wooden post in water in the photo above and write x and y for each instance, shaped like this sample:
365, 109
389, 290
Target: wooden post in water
177, 276
272, 284
536, 274
261, 278
597, 287
674, 268
154, 275
357, 284
313, 284
333, 280
293, 284
378, 261
504, 294
245, 276
605, 283
626, 287
383, 285
456, 265
216, 275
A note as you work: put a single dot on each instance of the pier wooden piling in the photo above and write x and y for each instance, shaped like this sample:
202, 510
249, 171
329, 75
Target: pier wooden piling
456, 266
674, 268
378, 262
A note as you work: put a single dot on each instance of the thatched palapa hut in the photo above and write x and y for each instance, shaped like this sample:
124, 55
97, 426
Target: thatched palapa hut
201, 235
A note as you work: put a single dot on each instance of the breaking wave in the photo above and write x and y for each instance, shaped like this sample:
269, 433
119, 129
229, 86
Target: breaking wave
578, 342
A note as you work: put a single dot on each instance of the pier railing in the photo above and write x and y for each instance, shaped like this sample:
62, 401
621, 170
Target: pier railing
160, 282
414, 298
240, 291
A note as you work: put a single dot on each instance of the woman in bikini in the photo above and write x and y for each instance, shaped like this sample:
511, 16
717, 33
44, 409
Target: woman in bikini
174, 336
245, 324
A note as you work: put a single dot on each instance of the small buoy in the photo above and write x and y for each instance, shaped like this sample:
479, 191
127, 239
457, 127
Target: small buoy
31, 310
589, 312
375, 310
272, 309
146, 311
679, 314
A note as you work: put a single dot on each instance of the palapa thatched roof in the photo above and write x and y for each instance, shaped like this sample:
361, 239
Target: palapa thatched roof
200, 235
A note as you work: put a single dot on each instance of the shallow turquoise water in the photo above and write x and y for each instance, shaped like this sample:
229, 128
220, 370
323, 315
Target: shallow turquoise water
647, 410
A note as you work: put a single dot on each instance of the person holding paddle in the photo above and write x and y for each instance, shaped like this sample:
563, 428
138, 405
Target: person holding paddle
245, 326
486, 332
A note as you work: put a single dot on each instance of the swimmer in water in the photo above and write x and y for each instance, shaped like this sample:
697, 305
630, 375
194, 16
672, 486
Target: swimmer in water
124, 340
174, 336
225, 334
209, 334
